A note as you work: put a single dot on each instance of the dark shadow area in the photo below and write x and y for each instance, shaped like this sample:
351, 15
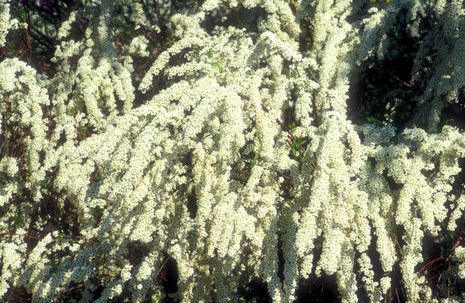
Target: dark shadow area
374, 255
137, 251
439, 266
318, 289
52, 11
168, 277
241, 170
323, 289
98, 292
255, 290
381, 90
453, 114
281, 259
17, 295
192, 204
239, 17
188, 192
459, 179
64, 219
396, 294
36, 45
393, 185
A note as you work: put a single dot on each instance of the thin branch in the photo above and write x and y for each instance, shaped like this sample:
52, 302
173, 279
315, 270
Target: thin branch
20, 235
159, 18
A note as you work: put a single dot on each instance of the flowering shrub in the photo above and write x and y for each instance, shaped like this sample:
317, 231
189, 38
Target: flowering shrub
242, 140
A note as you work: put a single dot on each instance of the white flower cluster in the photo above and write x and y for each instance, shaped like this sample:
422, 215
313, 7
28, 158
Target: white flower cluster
7, 23
229, 153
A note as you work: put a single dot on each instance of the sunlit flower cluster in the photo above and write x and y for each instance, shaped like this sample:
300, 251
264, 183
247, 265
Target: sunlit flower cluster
230, 152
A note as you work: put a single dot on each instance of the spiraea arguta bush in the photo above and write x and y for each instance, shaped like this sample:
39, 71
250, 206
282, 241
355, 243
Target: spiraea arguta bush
243, 140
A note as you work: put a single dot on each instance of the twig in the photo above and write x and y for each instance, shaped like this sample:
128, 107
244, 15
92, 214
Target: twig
161, 267
43, 37
23, 235
397, 295
28, 21
159, 18
400, 80
431, 262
